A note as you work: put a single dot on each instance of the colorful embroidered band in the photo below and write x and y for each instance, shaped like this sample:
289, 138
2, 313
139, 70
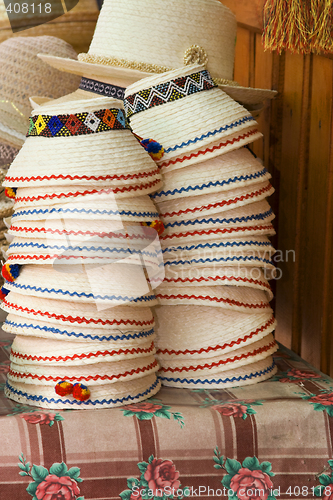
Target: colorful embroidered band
167, 92
77, 124
101, 88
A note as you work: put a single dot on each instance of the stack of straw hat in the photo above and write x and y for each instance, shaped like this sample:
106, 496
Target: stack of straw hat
83, 255
215, 323
24, 74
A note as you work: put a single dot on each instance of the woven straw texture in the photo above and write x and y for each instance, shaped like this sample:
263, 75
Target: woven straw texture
107, 395
244, 375
23, 75
224, 173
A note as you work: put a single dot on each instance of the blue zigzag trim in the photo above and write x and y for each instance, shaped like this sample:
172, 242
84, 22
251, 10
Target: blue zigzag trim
210, 184
227, 259
80, 248
81, 335
82, 294
220, 380
80, 403
209, 134
220, 221
83, 210
219, 245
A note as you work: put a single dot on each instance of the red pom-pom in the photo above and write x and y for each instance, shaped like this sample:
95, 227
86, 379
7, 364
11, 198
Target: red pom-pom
64, 388
81, 392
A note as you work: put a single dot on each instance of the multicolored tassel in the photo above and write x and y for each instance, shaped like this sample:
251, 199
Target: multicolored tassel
153, 148
298, 26
155, 224
64, 388
10, 271
3, 293
10, 192
81, 392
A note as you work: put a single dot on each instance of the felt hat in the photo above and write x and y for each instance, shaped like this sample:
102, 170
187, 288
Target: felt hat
223, 173
182, 330
251, 373
164, 36
23, 74
82, 142
101, 396
189, 115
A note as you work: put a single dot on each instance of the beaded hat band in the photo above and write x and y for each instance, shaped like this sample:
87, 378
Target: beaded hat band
77, 124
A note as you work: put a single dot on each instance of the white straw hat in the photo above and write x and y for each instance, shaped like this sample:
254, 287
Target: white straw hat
219, 363
163, 37
102, 396
106, 286
28, 351
189, 115
253, 277
139, 208
69, 313
189, 208
23, 74
82, 142
244, 375
252, 216
242, 299
182, 331
132, 334
223, 173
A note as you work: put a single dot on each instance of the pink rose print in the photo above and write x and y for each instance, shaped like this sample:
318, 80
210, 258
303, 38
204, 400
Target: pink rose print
57, 488
161, 474
294, 372
145, 407
323, 399
251, 484
328, 492
231, 409
38, 418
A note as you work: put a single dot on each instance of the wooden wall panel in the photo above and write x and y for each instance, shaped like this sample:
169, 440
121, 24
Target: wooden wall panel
297, 148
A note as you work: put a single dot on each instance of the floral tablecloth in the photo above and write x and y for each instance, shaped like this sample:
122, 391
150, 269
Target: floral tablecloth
265, 441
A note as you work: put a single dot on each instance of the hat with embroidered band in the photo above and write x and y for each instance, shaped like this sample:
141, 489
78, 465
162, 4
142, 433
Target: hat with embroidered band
223, 173
189, 115
251, 219
251, 373
101, 396
163, 37
24, 74
217, 275
241, 356
106, 286
242, 299
182, 330
62, 146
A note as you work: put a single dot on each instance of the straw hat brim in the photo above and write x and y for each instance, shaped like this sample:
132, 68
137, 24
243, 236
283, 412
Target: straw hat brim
104, 396
243, 95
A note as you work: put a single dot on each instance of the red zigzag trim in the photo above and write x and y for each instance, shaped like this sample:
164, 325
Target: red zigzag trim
87, 379
208, 150
214, 299
224, 346
84, 177
221, 362
216, 278
217, 231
